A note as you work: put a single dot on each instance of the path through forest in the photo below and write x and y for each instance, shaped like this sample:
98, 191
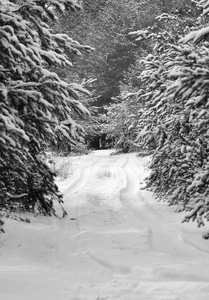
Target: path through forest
117, 242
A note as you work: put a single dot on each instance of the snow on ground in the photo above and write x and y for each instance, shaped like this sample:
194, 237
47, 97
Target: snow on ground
117, 242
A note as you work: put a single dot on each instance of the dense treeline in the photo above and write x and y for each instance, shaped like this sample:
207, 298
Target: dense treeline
171, 109
106, 25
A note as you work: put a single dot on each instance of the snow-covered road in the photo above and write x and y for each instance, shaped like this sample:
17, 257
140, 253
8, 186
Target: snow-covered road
117, 242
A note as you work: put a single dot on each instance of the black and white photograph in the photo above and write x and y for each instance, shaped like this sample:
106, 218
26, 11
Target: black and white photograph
104, 149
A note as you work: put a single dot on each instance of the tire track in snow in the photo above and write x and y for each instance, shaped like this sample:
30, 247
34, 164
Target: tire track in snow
74, 188
133, 242
128, 195
154, 236
116, 267
81, 181
189, 242
158, 230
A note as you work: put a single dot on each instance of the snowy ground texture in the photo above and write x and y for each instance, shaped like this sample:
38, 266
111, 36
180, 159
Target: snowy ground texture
117, 242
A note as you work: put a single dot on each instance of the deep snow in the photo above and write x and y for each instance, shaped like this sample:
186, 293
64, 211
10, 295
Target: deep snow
117, 241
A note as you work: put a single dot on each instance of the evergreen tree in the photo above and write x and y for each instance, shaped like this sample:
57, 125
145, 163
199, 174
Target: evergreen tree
36, 105
121, 120
175, 120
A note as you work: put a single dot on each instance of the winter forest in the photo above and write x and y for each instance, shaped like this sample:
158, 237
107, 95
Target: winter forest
127, 79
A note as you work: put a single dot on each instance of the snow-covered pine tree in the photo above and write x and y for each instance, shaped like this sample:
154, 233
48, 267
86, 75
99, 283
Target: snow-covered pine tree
136, 91
176, 119
91, 123
120, 121
36, 105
